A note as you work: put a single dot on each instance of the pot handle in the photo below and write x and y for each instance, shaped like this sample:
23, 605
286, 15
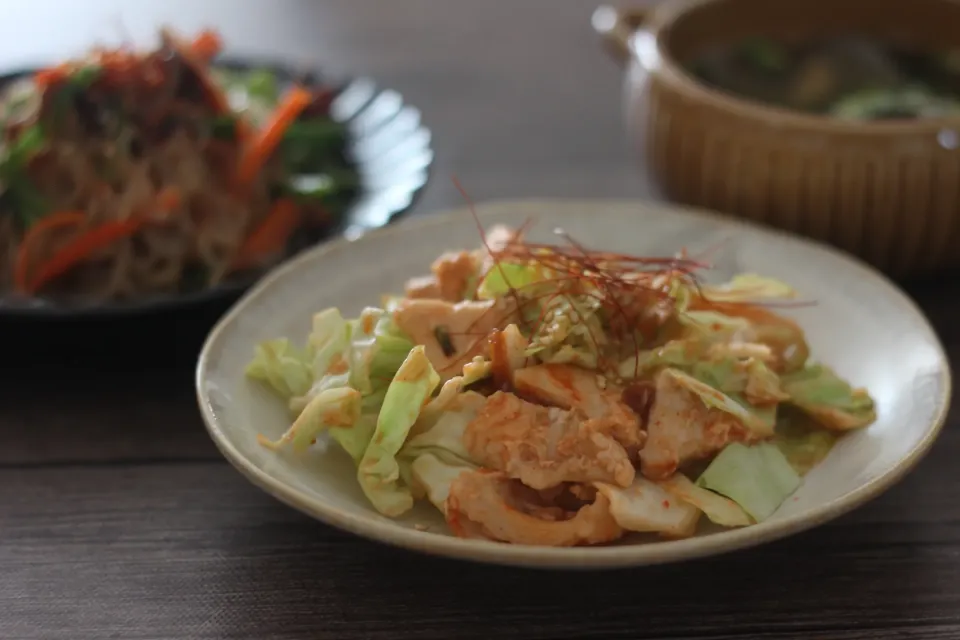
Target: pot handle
616, 27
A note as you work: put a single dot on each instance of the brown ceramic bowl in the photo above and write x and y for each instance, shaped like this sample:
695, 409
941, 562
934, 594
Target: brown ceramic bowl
886, 191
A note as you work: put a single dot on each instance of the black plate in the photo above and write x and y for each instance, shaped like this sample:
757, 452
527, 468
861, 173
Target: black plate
388, 146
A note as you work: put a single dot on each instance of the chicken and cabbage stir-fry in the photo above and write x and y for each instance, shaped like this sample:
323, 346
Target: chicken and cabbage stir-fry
549, 395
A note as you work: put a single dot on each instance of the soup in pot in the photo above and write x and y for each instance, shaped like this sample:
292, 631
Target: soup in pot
851, 77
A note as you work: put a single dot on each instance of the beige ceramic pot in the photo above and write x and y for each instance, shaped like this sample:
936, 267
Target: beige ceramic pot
887, 191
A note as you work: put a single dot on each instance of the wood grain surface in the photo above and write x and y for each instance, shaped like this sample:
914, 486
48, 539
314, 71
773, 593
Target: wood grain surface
118, 519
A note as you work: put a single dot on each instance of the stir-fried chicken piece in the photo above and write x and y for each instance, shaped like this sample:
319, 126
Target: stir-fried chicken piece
454, 271
570, 387
452, 274
682, 428
423, 287
483, 504
545, 446
452, 334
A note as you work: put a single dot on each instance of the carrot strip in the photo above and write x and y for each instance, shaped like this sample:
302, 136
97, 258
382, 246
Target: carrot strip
79, 249
207, 45
197, 55
198, 64
47, 77
271, 235
90, 242
34, 235
264, 142
169, 199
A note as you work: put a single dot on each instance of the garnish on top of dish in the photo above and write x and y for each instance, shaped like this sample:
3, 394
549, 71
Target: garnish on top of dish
128, 173
549, 394
851, 76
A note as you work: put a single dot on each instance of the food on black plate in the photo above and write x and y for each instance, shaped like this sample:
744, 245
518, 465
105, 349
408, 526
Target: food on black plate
853, 77
130, 173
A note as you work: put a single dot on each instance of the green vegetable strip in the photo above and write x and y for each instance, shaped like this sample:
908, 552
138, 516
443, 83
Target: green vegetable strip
21, 196
758, 478
379, 473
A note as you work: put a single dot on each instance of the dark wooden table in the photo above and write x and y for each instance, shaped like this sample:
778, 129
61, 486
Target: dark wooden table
119, 520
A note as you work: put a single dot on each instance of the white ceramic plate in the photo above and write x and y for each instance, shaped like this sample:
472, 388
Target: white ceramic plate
862, 325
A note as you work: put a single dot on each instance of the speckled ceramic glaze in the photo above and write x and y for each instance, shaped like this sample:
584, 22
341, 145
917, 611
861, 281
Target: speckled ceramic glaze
861, 324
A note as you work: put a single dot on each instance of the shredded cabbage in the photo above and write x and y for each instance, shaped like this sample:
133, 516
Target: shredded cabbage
339, 407
759, 419
748, 380
378, 472
283, 367
748, 287
802, 441
330, 342
819, 392
434, 476
344, 371
364, 353
500, 279
354, 439
444, 435
451, 392
676, 354
758, 478
718, 509
569, 327
570, 331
